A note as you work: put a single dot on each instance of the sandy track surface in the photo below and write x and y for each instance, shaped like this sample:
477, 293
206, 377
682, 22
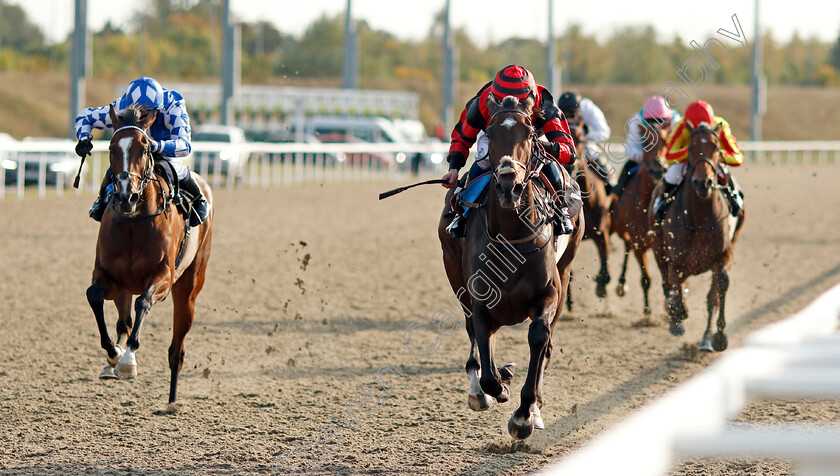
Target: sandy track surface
309, 294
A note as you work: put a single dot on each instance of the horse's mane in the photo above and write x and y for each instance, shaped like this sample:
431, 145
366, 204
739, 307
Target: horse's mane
133, 115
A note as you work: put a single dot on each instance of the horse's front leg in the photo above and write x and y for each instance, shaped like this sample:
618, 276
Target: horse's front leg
712, 302
123, 304
603, 278
526, 417
157, 291
621, 289
641, 257
719, 341
490, 379
96, 293
676, 305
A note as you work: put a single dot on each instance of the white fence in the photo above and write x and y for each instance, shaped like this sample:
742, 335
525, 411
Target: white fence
796, 358
51, 165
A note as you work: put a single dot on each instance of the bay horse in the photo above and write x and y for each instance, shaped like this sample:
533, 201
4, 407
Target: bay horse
698, 234
630, 211
145, 248
509, 267
596, 207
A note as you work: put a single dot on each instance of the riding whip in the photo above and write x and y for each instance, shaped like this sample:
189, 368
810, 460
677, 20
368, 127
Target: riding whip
403, 189
76, 181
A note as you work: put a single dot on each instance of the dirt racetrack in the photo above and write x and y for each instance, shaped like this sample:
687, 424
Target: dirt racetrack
310, 291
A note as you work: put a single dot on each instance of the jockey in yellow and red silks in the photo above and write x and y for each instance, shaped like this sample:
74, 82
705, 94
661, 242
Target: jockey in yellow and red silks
699, 114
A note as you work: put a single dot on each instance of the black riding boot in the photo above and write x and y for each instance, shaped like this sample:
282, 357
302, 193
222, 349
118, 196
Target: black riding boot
562, 221
98, 208
200, 206
623, 178
662, 201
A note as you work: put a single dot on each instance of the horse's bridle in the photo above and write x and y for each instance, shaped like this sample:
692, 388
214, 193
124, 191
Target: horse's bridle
538, 152
716, 167
148, 173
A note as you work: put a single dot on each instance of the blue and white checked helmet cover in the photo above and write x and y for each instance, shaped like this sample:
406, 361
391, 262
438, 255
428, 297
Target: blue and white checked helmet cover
145, 91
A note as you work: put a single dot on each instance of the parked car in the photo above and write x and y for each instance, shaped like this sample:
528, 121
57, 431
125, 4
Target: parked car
415, 131
51, 165
382, 160
232, 159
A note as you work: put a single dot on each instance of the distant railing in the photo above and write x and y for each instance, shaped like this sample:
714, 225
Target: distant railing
52, 165
43, 166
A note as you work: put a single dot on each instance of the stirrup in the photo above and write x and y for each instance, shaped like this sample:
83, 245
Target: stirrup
562, 222
200, 210
457, 228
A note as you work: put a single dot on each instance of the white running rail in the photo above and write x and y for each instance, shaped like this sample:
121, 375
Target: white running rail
50, 163
796, 358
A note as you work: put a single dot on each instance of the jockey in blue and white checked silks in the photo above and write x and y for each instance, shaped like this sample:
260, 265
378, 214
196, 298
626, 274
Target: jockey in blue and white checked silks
170, 134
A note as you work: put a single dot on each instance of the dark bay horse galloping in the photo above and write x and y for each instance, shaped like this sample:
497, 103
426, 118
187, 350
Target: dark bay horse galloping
144, 248
698, 234
509, 267
630, 212
596, 208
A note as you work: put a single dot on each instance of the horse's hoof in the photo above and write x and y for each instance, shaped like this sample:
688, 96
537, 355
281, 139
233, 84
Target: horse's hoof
621, 290
108, 373
537, 416
601, 291
480, 402
504, 396
647, 311
126, 371
706, 345
113, 361
720, 342
521, 429
506, 372
676, 328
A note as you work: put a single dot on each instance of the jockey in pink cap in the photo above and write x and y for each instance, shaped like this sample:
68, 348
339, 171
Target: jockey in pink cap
656, 112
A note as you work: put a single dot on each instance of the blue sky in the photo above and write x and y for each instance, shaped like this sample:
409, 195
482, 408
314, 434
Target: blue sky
487, 19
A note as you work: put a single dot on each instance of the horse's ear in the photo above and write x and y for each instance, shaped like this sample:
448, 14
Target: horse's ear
115, 120
149, 118
718, 128
492, 104
689, 128
528, 104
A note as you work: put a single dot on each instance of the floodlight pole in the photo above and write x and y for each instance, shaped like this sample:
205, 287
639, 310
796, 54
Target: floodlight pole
79, 63
231, 65
759, 84
350, 69
448, 86
552, 74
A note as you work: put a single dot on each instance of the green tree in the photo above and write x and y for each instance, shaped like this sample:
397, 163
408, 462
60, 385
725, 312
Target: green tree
17, 32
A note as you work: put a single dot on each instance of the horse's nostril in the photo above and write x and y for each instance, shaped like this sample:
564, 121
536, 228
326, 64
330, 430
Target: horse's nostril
517, 189
135, 197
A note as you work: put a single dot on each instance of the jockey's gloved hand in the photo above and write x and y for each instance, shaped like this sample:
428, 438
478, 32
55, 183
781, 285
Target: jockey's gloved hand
84, 147
154, 145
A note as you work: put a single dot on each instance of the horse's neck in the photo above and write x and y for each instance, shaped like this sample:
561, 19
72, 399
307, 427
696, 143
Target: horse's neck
512, 223
646, 182
701, 213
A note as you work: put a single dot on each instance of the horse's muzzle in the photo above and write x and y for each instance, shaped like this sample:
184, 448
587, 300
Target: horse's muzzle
509, 193
126, 202
703, 187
